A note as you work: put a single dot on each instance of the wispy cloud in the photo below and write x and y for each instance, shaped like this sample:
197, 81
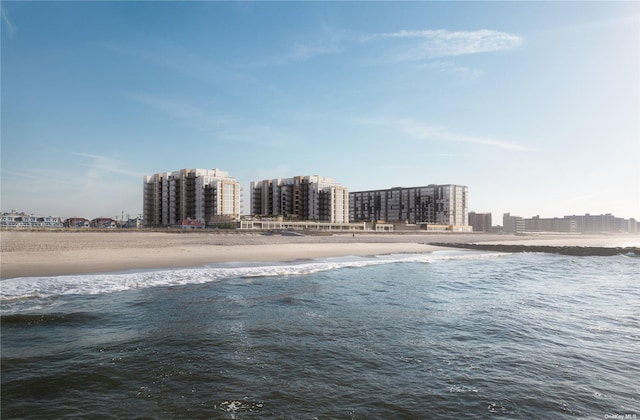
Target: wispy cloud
419, 130
72, 192
99, 165
179, 109
28, 179
11, 28
430, 44
84, 175
222, 127
408, 45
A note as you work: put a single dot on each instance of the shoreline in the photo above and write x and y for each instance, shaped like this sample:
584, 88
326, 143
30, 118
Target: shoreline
88, 262
44, 254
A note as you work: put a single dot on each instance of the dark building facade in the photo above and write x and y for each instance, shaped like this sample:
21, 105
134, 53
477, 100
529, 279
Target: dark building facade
480, 222
430, 204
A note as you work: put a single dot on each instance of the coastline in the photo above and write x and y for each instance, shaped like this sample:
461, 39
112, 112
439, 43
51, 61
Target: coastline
44, 253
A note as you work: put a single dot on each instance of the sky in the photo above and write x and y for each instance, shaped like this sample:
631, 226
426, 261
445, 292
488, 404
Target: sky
535, 106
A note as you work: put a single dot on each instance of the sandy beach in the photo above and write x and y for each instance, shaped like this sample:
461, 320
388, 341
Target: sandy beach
42, 253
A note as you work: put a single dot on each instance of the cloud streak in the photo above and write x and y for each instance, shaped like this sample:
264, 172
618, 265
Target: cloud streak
178, 109
430, 44
408, 45
422, 131
11, 28
101, 164
223, 127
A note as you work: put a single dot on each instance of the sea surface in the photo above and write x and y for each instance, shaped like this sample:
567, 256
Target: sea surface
451, 334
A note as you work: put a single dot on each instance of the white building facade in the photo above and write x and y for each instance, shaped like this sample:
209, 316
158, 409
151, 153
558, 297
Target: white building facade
309, 198
430, 204
22, 220
205, 195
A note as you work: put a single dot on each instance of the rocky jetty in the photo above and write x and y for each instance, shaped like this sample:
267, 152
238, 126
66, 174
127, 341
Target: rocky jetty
564, 250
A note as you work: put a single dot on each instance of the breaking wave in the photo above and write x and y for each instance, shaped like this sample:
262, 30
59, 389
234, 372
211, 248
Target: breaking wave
26, 288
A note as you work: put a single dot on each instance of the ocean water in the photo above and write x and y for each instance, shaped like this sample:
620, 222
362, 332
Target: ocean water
452, 334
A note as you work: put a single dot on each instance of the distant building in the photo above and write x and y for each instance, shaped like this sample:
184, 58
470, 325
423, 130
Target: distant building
603, 223
77, 222
104, 223
303, 198
480, 222
444, 205
537, 224
512, 224
189, 224
204, 195
135, 223
23, 220
289, 226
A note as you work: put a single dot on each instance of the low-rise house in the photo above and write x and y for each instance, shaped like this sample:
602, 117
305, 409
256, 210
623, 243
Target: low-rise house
190, 224
77, 222
104, 223
133, 223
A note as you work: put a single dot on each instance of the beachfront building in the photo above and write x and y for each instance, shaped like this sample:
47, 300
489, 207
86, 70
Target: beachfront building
555, 224
104, 223
603, 223
480, 222
205, 195
135, 223
512, 224
303, 198
442, 205
77, 223
23, 220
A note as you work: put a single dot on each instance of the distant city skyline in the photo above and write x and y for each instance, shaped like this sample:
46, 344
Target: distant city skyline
532, 105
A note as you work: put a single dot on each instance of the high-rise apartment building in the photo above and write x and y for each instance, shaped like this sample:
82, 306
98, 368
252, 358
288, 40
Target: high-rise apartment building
314, 198
205, 195
431, 204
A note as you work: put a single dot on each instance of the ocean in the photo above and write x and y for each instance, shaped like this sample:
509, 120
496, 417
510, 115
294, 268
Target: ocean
451, 334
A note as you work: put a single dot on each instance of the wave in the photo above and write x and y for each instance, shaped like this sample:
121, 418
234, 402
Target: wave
28, 288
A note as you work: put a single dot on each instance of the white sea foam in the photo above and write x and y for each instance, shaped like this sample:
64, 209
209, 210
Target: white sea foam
91, 284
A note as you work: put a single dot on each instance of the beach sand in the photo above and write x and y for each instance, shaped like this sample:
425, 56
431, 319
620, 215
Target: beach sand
44, 253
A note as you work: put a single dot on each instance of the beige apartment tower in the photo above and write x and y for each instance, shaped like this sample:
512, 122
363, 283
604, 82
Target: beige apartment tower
205, 195
308, 198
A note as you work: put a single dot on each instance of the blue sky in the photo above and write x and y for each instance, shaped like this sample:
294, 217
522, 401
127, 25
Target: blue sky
533, 105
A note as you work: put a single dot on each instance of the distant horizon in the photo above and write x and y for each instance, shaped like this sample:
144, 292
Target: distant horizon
532, 105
